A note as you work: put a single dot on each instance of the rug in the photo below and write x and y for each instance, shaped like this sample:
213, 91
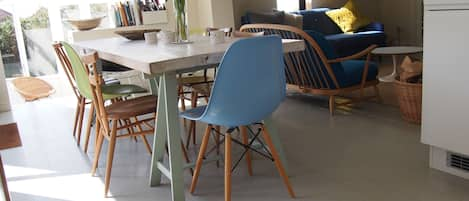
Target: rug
32, 88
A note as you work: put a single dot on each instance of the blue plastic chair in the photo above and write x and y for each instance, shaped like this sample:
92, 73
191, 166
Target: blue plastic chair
249, 86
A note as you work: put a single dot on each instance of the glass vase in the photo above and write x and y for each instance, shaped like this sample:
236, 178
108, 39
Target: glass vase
182, 34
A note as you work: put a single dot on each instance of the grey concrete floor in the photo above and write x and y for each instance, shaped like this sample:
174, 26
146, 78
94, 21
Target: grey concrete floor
367, 153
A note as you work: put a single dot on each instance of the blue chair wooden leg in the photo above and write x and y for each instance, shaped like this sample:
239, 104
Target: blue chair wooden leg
276, 141
278, 163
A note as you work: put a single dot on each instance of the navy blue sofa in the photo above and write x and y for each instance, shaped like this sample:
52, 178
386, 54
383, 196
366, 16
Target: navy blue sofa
344, 44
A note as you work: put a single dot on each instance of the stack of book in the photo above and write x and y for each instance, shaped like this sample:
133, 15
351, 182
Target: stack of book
129, 13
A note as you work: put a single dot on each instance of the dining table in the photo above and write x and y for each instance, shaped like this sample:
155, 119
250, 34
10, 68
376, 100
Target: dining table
160, 63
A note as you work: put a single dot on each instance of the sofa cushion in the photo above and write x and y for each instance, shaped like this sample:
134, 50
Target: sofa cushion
276, 17
349, 44
348, 18
374, 26
353, 71
293, 20
317, 20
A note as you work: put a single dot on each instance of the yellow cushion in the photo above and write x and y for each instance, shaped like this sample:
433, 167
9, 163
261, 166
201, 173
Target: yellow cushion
348, 18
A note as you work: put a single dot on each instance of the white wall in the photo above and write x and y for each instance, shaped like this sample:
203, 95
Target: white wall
222, 13
210, 13
4, 99
405, 15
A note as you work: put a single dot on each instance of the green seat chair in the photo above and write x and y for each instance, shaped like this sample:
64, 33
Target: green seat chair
77, 75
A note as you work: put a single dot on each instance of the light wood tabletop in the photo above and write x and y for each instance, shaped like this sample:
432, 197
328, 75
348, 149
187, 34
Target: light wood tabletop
160, 57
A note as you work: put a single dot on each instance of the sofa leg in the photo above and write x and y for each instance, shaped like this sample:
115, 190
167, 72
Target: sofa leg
331, 105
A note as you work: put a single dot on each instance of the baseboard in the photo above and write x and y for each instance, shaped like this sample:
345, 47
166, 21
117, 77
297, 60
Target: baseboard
439, 161
5, 107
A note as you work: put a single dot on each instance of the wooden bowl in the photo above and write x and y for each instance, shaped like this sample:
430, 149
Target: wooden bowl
85, 24
135, 34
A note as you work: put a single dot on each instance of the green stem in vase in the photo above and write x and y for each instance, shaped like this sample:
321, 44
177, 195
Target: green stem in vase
179, 8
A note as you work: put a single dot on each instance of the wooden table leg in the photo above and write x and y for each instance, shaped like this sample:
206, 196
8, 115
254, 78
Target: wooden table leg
168, 129
6, 193
270, 125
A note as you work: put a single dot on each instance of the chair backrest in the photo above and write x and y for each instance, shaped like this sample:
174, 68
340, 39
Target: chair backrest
240, 34
95, 81
67, 67
250, 83
80, 71
226, 30
309, 68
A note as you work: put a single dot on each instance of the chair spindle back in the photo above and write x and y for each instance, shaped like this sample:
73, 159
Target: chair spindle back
306, 69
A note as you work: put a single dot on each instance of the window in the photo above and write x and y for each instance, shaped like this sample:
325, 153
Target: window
288, 5
38, 39
101, 10
27, 32
8, 46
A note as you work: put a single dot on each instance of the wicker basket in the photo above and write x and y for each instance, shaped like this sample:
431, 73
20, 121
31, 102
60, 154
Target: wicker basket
410, 100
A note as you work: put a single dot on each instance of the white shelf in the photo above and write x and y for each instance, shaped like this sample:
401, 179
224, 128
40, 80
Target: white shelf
154, 17
75, 36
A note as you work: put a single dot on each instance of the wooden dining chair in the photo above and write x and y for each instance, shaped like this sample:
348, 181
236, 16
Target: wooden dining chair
227, 30
140, 110
81, 100
70, 61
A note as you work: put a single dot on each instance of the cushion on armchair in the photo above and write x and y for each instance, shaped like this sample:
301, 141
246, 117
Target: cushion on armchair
353, 72
348, 73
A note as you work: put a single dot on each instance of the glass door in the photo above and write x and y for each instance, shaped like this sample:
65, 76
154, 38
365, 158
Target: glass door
8, 45
25, 40
38, 39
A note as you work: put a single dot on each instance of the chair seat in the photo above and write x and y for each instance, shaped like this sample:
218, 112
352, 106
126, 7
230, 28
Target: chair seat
193, 114
203, 89
353, 72
131, 108
117, 90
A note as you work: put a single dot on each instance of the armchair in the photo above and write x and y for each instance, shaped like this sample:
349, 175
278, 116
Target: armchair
318, 70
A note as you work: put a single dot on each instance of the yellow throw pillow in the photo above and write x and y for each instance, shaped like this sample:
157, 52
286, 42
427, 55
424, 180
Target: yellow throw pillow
348, 18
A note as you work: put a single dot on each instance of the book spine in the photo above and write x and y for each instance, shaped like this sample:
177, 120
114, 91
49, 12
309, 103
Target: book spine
118, 16
112, 15
136, 12
132, 13
140, 10
122, 15
127, 13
